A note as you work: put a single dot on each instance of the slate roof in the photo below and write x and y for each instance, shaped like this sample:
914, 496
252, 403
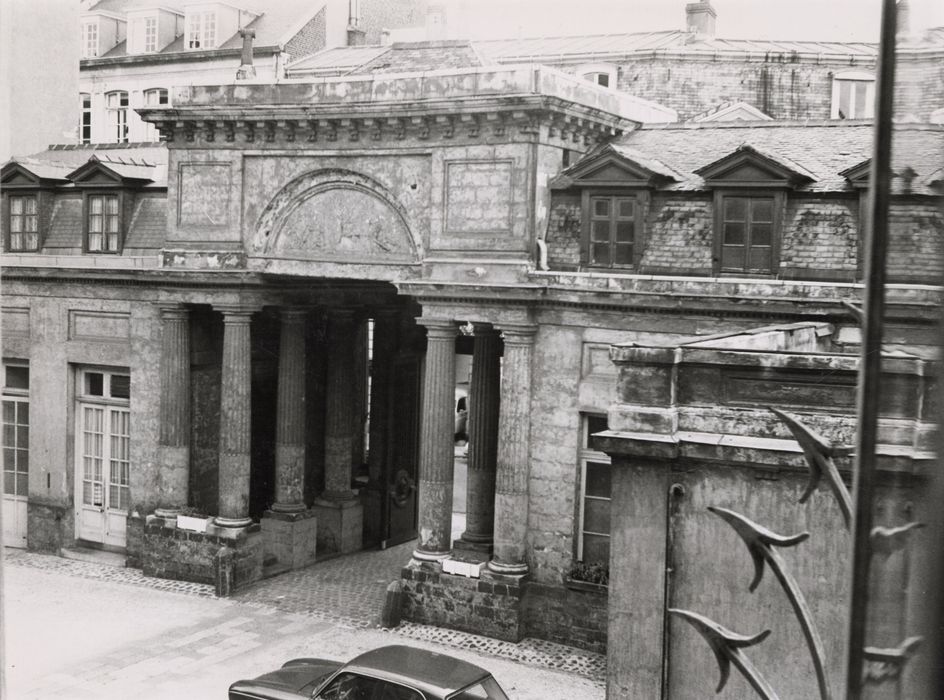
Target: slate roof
822, 149
426, 55
148, 225
132, 160
273, 27
65, 228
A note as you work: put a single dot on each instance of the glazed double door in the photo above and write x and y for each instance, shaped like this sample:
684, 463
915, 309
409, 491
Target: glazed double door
103, 492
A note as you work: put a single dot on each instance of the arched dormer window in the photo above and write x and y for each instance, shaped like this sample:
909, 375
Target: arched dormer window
603, 74
853, 95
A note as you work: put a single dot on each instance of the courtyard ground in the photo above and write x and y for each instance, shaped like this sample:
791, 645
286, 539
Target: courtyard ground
86, 630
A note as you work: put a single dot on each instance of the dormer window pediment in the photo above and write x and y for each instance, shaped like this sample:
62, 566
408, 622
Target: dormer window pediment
858, 175
749, 167
98, 173
614, 167
16, 175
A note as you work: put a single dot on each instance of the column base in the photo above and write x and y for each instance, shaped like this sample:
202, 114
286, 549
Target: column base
232, 522
340, 525
508, 569
289, 538
420, 555
465, 543
169, 513
288, 508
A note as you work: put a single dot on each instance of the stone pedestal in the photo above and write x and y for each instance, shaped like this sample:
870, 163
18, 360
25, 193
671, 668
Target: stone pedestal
437, 429
514, 450
290, 537
340, 525
483, 406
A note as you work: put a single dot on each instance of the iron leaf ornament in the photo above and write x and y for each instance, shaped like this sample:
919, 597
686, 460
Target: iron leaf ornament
761, 544
819, 453
727, 647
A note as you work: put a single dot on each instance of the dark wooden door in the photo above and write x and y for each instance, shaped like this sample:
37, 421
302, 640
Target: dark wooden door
401, 479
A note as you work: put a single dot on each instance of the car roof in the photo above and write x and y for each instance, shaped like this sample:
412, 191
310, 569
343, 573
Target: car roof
433, 673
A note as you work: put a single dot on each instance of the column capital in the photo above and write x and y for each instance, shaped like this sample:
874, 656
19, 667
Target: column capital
441, 328
236, 313
293, 314
173, 311
484, 330
518, 333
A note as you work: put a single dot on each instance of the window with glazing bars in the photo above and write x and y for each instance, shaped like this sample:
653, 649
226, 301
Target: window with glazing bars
747, 234
593, 544
24, 223
612, 231
103, 224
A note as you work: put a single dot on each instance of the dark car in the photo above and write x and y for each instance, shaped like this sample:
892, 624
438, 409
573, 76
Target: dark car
387, 673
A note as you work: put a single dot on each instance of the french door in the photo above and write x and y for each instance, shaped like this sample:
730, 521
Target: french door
103, 458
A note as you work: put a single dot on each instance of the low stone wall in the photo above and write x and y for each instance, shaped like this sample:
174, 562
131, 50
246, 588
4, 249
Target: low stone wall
489, 606
224, 559
574, 614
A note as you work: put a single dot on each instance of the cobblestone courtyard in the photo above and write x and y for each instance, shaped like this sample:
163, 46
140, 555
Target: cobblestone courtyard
101, 631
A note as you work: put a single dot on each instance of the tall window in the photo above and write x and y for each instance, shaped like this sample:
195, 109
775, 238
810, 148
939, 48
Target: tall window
612, 231
90, 40
156, 97
142, 35
15, 430
117, 105
24, 223
103, 223
853, 95
150, 34
85, 126
105, 430
593, 544
201, 30
747, 231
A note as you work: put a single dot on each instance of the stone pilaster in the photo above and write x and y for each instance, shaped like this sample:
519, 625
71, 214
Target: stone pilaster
174, 438
437, 428
483, 407
340, 512
384, 348
290, 415
514, 449
235, 419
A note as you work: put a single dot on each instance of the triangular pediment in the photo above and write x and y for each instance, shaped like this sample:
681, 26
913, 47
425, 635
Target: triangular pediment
858, 174
16, 174
96, 173
747, 166
612, 167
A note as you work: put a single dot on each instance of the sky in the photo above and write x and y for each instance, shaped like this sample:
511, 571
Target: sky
817, 20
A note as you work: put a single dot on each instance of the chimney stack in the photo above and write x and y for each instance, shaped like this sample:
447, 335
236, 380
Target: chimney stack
700, 19
246, 70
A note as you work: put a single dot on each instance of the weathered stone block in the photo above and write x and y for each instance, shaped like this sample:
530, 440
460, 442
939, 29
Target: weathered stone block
290, 537
340, 526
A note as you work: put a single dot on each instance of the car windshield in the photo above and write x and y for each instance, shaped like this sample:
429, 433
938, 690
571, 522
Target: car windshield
486, 689
353, 686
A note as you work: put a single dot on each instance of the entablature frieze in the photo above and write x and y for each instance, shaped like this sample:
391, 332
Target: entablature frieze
550, 120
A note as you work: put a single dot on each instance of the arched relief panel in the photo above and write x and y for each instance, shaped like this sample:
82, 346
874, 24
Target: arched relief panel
339, 215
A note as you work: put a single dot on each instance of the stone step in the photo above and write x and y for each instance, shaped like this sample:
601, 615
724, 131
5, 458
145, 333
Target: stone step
94, 556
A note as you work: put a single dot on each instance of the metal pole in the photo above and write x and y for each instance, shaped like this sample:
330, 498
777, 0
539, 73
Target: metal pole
870, 367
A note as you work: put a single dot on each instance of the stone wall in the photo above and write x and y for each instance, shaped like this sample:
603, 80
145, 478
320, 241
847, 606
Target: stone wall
574, 615
916, 231
820, 238
678, 235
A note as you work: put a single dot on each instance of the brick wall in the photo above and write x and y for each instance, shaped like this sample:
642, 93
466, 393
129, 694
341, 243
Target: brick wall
310, 38
916, 231
678, 235
820, 239
389, 14
563, 231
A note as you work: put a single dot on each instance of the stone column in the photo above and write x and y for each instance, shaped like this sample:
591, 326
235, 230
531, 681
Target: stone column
340, 513
386, 322
436, 441
174, 438
483, 407
514, 452
290, 415
235, 415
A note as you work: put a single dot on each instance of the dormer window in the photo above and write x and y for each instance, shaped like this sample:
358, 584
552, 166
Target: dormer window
603, 74
103, 223
90, 39
853, 95
201, 30
23, 223
142, 37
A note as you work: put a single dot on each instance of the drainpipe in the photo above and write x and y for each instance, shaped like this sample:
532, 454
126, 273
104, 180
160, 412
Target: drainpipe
246, 70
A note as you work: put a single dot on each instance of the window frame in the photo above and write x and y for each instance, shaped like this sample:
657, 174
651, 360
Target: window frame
88, 198
858, 79
591, 72
118, 115
587, 454
776, 230
22, 196
90, 39
18, 396
85, 117
197, 24
640, 198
